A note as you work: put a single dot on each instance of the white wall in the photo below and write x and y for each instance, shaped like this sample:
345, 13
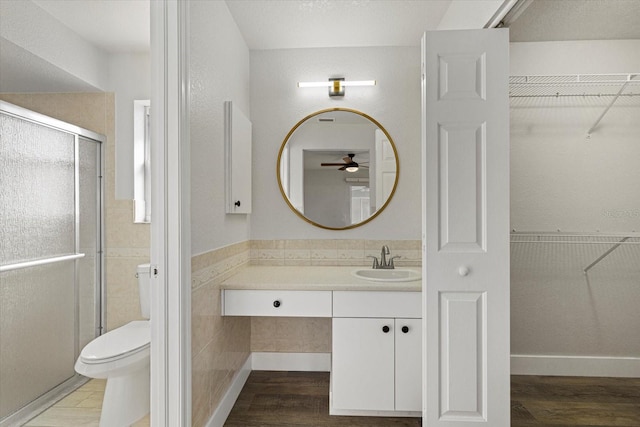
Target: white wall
575, 57
219, 72
277, 104
51, 45
564, 181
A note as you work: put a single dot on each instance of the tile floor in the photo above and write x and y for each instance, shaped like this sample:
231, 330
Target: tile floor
80, 408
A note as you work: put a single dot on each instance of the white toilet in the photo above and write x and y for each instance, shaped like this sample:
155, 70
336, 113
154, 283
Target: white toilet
122, 356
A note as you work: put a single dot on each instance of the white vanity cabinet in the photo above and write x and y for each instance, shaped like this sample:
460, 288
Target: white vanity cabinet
376, 353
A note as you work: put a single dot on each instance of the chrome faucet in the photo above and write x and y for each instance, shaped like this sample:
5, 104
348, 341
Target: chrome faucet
384, 263
383, 256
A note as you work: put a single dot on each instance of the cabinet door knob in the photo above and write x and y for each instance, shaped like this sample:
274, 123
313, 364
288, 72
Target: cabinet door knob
385, 329
276, 303
237, 203
405, 329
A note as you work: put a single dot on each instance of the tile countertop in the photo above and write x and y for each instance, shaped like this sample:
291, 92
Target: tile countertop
311, 278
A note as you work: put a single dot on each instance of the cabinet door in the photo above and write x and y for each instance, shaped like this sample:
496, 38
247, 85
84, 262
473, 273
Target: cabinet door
362, 374
408, 364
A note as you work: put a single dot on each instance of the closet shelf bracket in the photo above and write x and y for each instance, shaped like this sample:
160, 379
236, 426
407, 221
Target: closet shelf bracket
604, 255
613, 101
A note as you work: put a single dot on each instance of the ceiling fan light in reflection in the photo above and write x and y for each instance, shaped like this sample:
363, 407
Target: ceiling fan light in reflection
351, 169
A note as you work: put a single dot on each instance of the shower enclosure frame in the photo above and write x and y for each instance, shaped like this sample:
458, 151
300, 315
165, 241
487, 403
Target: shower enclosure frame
49, 397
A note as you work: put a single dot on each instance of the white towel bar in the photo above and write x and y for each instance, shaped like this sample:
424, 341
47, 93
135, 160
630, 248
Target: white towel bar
43, 261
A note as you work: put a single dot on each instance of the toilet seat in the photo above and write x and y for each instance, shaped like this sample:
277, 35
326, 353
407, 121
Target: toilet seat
120, 343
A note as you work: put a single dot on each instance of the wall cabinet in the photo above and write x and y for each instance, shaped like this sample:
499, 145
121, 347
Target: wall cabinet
238, 160
376, 361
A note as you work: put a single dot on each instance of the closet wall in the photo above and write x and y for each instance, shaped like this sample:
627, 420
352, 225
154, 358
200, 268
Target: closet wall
575, 208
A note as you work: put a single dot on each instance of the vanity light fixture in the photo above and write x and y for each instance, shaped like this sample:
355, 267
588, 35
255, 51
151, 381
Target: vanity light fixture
336, 85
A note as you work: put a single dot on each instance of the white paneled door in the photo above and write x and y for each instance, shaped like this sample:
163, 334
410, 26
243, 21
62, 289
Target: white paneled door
466, 228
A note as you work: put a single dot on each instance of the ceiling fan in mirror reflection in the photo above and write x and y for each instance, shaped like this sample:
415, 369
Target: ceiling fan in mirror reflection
349, 164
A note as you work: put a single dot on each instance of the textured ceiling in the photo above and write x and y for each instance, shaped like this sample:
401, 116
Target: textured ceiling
560, 20
278, 24
123, 25
112, 25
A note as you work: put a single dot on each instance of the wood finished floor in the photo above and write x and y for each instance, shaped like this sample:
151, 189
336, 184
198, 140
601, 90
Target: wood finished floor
287, 399
574, 401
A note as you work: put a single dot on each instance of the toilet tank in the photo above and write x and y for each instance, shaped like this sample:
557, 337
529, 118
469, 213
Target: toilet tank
142, 273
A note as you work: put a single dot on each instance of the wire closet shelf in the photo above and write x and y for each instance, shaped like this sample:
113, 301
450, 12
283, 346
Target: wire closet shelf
539, 86
608, 243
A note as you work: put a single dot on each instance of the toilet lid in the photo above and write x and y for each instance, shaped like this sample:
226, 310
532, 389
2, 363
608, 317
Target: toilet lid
120, 342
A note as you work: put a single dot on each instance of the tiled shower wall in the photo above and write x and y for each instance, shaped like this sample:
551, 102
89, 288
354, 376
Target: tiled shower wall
221, 345
127, 244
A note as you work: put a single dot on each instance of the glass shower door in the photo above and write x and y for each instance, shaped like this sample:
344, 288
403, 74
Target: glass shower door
44, 273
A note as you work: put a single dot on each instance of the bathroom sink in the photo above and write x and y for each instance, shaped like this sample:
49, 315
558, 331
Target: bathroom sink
392, 275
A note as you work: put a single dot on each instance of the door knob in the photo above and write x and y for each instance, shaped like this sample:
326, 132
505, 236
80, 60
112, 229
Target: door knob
385, 329
463, 271
237, 203
405, 329
276, 303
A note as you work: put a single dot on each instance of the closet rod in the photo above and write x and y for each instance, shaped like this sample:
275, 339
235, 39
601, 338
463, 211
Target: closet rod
606, 110
554, 234
571, 79
568, 242
577, 238
581, 95
556, 86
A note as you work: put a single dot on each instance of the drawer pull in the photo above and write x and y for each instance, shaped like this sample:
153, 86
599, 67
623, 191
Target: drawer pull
405, 329
277, 303
385, 329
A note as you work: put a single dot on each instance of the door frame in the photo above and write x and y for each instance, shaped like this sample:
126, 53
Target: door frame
170, 226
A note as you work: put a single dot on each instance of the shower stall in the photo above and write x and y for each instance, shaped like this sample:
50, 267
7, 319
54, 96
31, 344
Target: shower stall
575, 218
51, 257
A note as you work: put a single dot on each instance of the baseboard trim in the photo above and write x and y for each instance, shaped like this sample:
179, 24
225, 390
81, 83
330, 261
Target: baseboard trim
579, 366
226, 404
303, 362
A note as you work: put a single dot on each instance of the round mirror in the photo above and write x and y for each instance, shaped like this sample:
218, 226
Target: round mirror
337, 168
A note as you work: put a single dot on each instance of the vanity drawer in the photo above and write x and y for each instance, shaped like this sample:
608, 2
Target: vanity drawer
377, 304
276, 303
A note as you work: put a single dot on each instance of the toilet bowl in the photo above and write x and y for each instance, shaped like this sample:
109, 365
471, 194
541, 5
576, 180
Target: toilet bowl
122, 356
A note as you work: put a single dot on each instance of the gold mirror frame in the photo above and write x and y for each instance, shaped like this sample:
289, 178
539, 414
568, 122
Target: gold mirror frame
327, 110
